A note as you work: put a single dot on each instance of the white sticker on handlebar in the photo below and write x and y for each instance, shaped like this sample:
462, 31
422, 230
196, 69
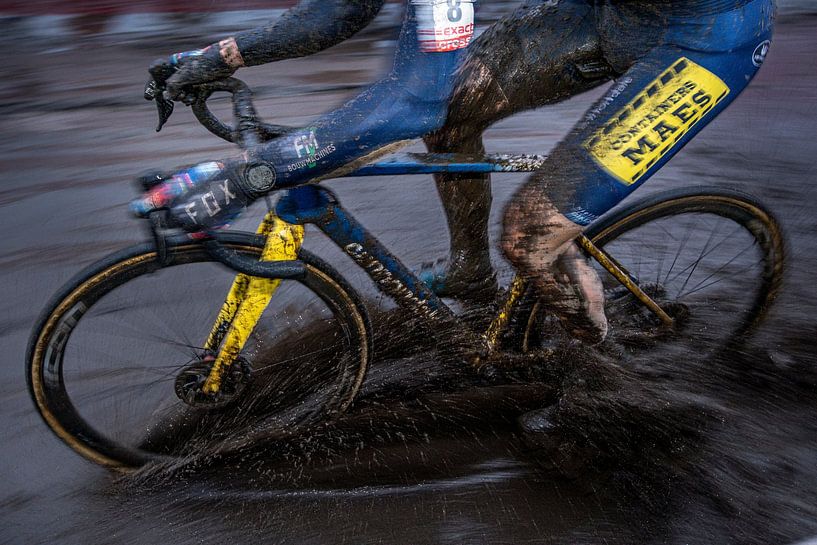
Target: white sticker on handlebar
444, 25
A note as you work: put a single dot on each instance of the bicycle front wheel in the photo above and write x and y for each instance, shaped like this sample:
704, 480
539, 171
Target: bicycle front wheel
105, 356
712, 258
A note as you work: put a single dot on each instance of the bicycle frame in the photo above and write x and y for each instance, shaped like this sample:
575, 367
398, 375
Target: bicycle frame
283, 228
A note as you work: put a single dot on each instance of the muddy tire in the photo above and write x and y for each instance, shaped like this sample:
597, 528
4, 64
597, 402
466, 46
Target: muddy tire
666, 242
127, 298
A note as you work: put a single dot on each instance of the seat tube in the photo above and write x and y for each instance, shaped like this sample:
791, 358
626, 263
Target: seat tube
249, 296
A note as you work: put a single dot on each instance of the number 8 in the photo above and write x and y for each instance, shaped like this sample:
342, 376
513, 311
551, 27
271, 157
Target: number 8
454, 11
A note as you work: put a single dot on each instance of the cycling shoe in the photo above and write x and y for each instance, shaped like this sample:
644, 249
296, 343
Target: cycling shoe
477, 284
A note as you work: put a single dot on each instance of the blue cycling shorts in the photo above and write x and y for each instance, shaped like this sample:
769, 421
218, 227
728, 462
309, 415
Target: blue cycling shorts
679, 64
665, 98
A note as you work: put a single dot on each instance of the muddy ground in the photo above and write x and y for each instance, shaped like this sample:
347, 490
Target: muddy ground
686, 450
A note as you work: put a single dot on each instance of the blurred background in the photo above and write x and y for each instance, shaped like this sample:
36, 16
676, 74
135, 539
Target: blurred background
74, 131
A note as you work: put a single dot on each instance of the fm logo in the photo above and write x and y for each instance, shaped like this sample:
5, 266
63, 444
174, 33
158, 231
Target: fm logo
306, 144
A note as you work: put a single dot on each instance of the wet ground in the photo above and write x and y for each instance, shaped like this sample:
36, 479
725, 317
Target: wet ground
685, 450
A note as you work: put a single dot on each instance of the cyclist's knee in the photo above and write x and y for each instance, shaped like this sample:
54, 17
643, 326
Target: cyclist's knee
477, 102
520, 232
512, 241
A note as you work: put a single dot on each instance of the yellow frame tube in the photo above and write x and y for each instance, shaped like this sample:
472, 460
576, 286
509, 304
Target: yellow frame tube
500, 322
618, 272
249, 297
518, 286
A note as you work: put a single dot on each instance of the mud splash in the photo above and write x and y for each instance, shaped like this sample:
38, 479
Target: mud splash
742, 470
675, 447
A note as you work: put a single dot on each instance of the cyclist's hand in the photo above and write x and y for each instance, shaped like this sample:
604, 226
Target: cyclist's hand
180, 71
208, 195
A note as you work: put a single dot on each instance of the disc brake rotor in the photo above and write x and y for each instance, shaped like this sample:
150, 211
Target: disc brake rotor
190, 382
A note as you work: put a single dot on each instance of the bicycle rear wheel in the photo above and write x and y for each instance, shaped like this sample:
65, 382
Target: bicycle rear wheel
104, 357
712, 258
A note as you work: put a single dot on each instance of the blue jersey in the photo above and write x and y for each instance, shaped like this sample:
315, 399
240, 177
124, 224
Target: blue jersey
408, 103
678, 64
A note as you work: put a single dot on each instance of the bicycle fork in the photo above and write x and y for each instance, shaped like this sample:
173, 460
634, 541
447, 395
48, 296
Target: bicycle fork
248, 298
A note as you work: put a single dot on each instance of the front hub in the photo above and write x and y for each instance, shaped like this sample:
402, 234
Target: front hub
190, 382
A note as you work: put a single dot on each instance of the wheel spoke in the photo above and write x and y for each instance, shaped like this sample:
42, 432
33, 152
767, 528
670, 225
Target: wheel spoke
699, 286
684, 242
693, 244
706, 254
119, 365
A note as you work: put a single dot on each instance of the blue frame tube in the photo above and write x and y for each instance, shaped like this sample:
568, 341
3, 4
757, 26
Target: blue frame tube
435, 163
319, 206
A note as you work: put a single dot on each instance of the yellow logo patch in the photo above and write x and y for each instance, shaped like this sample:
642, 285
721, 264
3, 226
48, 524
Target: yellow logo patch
652, 123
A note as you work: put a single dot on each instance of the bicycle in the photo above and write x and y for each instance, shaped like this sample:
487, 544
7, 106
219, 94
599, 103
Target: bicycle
308, 358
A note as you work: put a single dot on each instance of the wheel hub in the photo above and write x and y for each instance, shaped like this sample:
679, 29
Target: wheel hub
190, 382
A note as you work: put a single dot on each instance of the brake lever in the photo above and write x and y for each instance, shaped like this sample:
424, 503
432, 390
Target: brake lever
153, 91
158, 230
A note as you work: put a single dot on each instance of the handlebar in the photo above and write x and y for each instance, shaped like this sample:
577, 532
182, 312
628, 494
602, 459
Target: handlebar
249, 130
165, 239
247, 265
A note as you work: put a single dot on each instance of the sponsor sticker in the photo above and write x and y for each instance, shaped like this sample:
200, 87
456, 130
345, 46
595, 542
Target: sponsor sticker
444, 25
309, 150
608, 99
642, 132
760, 52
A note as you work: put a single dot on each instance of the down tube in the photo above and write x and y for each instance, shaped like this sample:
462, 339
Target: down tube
311, 204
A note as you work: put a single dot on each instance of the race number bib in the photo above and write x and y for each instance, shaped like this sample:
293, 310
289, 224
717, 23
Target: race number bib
444, 25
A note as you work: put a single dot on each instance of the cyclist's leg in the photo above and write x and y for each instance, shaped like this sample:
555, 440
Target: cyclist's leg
659, 104
466, 200
542, 53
